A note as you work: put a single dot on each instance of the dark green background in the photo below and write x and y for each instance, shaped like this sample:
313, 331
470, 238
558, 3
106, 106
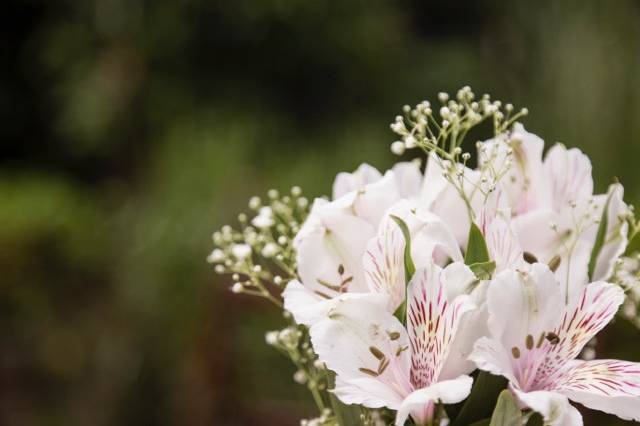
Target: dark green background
132, 129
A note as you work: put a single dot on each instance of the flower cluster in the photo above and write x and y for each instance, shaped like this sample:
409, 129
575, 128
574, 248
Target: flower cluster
406, 287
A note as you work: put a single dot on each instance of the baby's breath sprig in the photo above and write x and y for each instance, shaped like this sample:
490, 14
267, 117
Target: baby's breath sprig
443, 132
295, 343
261, 251
627, 275
634, 224
420, 126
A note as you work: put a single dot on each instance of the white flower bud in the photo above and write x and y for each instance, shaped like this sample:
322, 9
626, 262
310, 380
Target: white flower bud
271, 337
299, 377
237, 288
398, 147
254, 203
241, 251
216, 256
410, 142
270, 250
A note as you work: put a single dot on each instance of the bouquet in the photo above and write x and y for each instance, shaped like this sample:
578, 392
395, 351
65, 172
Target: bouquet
470, 292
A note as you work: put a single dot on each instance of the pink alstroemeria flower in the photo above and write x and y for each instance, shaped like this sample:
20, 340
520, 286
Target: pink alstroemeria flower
380, 363
535, 339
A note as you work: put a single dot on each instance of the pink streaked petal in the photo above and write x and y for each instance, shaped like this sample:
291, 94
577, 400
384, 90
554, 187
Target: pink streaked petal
611, 386
383, 264
585, 316
432, 322
604, 377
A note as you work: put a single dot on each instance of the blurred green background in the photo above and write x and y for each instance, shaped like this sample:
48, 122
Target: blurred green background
132, 129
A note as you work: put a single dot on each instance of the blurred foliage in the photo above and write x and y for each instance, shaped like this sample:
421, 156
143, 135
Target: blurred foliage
131, 129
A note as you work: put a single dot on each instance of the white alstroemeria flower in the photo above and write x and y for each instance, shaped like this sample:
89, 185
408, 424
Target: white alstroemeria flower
380, 363
332, 242
554, 210
535, 339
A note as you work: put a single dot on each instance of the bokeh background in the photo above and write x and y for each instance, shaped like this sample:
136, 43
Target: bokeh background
132, 129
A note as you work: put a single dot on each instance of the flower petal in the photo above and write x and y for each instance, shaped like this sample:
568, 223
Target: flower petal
523, 305
298, 299
329, 249
441, 198
419, 403
459, 280
308, 307
489, 355
607, 385
583, 318
368, 392
372, 201
431, 237
432, 322
554, 407
503, 245
348, 182
358, 339
570, 176
408, 178
616, 239
524, 183
383, 264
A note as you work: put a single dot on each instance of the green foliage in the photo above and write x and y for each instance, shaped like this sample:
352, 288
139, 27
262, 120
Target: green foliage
409, 267
477, 252
481, 400
601, 236
506, 412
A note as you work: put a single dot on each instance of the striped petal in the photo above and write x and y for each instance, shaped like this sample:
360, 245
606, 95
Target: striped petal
432, 322
383, 264
606, 385
584, 317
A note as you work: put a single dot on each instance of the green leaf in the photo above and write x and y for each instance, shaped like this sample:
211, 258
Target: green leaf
477, 251
506, 412
535, 419
483, 270
484, 394
409, 266
600, 237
